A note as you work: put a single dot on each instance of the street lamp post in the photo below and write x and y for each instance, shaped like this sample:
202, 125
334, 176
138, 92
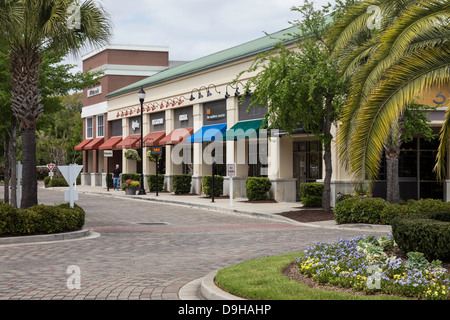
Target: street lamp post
141, 96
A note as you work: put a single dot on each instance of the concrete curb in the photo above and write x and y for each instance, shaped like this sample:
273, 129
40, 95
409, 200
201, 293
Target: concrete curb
209, 290
76, 235
205, 289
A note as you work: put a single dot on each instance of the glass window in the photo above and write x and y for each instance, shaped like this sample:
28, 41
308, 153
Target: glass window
100, 126
89, 128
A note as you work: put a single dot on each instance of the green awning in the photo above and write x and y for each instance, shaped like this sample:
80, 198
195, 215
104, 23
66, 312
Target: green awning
244, 130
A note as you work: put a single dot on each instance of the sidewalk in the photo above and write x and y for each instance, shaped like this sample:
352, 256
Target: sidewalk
263, 210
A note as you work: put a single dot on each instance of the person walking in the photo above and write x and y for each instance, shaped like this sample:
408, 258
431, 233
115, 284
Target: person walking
116, 177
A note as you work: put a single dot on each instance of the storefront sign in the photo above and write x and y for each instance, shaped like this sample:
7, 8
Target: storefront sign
210, 115
108, 153
183, 117
159, 121
94, 92
156, 151
135, 125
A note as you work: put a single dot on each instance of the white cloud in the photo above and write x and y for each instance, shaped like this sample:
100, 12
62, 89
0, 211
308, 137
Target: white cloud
195, 28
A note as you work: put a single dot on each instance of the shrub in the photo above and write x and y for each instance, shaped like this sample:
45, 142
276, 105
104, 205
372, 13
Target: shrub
428, 233
182, 183
42, 173
40, 219
207, 183
311, 194
130, 176
257, 188
109, 180
359, 210
412, 207
152, 182
58, 182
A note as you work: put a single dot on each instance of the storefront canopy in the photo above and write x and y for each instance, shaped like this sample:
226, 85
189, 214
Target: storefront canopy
111, 144
244, 129
81, 146
154, 138
177, 136
94, 144
209, 133
130, 142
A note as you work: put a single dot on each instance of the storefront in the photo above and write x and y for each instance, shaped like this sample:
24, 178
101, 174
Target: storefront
217, 126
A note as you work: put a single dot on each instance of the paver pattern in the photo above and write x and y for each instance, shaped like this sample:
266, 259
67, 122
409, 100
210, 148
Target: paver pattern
145, 251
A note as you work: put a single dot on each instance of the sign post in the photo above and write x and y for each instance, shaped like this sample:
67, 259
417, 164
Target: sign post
107, 154
70, 173
157, 151
231, 172
19, 183
50, 167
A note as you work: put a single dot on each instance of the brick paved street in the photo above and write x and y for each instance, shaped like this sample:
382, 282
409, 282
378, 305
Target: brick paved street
134, 260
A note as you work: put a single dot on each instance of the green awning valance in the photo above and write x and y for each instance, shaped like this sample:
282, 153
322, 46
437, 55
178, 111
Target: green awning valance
244, 130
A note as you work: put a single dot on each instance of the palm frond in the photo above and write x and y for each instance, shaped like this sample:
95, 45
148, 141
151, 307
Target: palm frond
401, 84
440, 167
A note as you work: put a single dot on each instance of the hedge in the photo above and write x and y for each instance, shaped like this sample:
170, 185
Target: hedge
412, 207
152, 182
428, 233
359, 210
218, 185
132, 176
182, 183
40, 219
257, 188
311, 194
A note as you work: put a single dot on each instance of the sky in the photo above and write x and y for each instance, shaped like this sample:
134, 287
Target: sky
195, 28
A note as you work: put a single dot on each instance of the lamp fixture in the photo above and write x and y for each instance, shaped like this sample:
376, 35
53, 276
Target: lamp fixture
141, 94
192, 95
208, 93
227, 95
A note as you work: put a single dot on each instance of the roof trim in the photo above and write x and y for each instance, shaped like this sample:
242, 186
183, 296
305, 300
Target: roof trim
262, 44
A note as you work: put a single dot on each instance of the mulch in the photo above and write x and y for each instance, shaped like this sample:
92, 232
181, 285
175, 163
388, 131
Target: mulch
309, 215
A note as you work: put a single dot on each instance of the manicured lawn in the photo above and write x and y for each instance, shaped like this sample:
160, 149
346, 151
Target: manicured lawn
262, 279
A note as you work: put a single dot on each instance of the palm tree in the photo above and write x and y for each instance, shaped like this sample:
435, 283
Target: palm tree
387, 65
32, 27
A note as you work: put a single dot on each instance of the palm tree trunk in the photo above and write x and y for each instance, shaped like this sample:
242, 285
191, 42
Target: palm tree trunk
29, 185
326, 202
27, 108
7, 171
393, 188
392, 151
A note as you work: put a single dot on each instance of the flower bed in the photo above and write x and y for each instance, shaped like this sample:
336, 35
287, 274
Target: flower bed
362, 264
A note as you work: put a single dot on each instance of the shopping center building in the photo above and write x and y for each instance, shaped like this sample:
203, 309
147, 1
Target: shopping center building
195, 107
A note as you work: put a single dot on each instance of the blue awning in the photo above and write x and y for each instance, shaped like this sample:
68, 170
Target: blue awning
209, 133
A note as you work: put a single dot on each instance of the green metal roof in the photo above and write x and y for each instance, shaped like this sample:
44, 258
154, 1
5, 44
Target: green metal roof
238, 52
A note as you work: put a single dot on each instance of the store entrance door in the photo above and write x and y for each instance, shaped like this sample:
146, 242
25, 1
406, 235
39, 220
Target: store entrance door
307, 162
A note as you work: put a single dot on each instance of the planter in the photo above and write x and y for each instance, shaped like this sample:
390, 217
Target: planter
132, 191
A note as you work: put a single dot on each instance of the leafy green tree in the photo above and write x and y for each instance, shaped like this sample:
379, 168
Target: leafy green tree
32, 27
62, 132
300, 84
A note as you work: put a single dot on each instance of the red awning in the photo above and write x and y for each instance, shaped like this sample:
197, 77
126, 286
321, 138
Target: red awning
154, 138
130, 142
81, 146
111, 144
177, 136
94, 144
